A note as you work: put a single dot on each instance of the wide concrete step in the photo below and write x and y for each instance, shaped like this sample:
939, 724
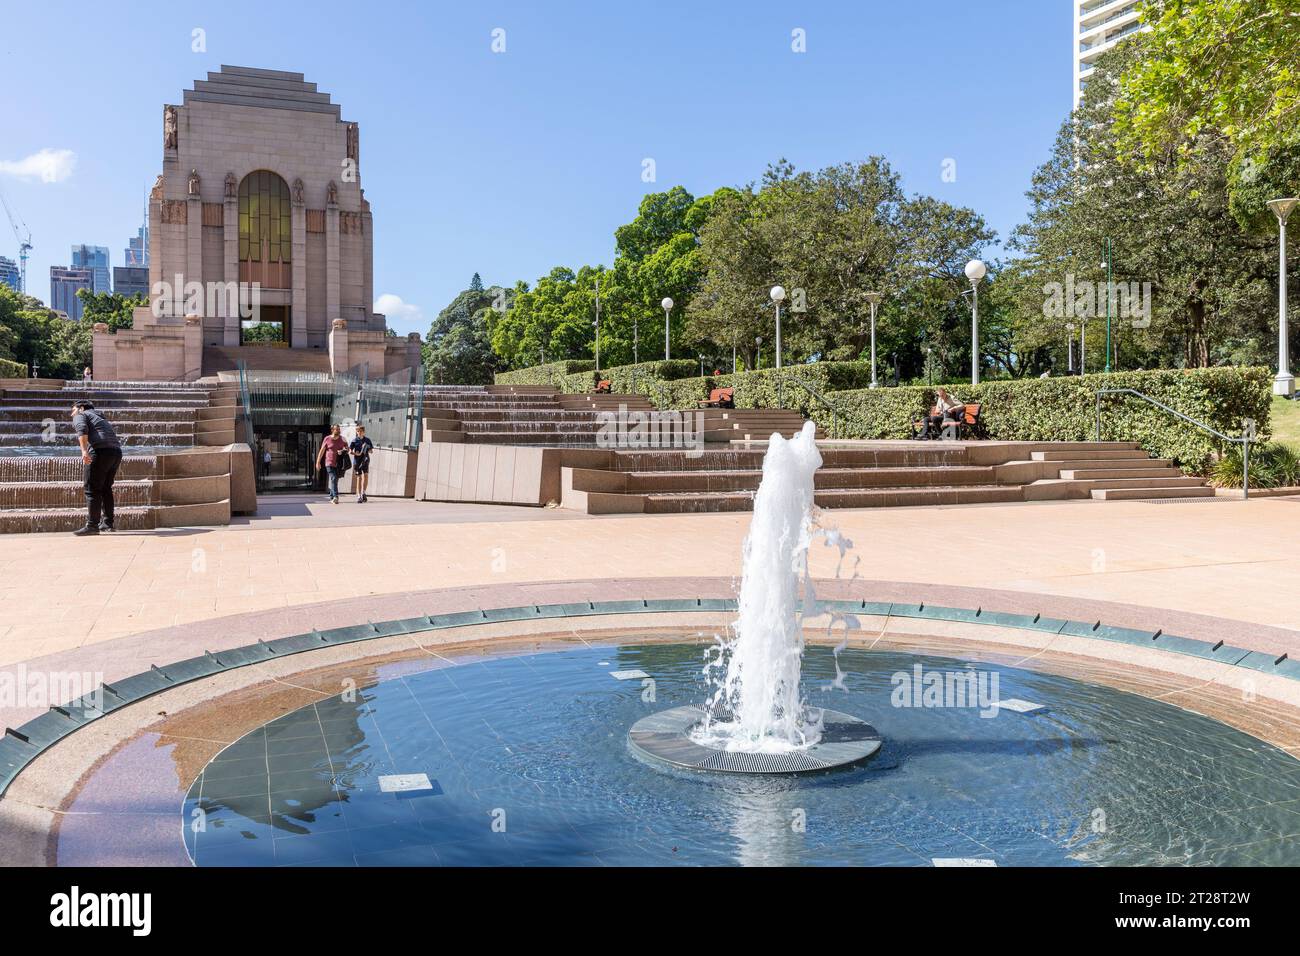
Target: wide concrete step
1166, 481
837, 498
67, 440
1086, 464
134, 413
1151, 493
917, 455
651, 482
1093, 474
517, 416
69, 494
70, 519
57, 426
26, 470
1082, 454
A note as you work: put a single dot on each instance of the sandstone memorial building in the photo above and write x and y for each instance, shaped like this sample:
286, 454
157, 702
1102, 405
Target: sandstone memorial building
260, 242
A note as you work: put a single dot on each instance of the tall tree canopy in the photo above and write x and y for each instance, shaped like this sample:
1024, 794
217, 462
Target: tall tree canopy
458, 348
1228, 68
1170, 224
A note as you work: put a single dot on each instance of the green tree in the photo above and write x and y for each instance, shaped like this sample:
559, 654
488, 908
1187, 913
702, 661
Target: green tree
1226, 68
1170, 223
458, 348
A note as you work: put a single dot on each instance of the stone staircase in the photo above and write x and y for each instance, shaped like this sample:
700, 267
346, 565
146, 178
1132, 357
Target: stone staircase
539, 415
877, 474
518, 415
177, 464
1123, 474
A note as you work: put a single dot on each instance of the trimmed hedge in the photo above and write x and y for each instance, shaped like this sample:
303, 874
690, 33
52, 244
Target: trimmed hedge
770, 388
550, 374
1064, 409
11, 369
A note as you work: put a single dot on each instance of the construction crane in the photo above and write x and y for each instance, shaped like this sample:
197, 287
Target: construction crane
24, 244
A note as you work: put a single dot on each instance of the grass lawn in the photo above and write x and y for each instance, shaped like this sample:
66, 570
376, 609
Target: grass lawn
1285, 421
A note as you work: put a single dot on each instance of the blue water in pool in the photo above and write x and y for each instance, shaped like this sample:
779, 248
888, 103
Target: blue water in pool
527, 763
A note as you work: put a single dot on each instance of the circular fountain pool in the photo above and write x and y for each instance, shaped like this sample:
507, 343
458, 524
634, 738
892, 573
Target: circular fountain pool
525, 760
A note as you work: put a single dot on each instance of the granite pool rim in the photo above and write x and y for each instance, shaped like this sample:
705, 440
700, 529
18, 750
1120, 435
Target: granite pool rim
20, 746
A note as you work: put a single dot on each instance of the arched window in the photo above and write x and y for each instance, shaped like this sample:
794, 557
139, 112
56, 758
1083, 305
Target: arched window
265, 230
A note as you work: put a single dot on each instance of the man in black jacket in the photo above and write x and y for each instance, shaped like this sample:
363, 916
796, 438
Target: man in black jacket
101, 452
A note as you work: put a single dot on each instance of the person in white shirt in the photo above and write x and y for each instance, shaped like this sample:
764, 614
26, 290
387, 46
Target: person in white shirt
949, 409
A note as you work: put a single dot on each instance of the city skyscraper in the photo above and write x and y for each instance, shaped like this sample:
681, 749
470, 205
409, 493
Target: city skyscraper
9, 274
137, 249
64, 283
94, 258
1098, 26
131, 280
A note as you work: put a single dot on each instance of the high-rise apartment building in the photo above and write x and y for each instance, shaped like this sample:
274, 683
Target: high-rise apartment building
9, 274
1098, 26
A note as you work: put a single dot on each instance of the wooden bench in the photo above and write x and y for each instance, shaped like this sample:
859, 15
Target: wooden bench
970, 425
720, 398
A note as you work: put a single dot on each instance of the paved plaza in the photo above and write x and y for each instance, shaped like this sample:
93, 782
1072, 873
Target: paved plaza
1219, 557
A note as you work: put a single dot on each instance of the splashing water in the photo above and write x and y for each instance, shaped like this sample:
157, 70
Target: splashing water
758, 706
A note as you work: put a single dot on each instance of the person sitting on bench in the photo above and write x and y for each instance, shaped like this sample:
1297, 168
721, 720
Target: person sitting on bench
948, 409
603, 386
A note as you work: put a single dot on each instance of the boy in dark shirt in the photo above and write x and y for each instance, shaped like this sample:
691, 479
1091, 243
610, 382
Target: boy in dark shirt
101, 453
360, 447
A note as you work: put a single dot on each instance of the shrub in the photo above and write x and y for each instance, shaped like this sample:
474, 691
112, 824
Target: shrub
1271, 466
550, 374
11, 369
770, 388
1064, 409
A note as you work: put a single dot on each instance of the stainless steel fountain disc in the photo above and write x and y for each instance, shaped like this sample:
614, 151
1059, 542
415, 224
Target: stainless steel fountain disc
665, 738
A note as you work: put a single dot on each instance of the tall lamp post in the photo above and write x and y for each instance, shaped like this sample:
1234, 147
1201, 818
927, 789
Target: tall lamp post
758, 351
1284, 383
975, 272
873, 299
598, 325
1069, 347
1106, 261
667, 304
778, 295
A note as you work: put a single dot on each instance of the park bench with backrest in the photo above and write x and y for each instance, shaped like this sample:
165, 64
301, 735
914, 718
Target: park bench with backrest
720, 398
969, 425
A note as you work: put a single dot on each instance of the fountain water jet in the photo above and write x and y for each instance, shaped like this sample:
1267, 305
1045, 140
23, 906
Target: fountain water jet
758, 706
757, 720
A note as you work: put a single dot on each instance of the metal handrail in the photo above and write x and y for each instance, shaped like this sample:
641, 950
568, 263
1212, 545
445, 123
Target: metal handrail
1243, 441
821, 398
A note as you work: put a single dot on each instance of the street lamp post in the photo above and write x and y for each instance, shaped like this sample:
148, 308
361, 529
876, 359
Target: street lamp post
975, 272
1069, 347
1106, 251
873, 299
758, 351
667, 303
597, 325
1284, 383
778, 295
636, 342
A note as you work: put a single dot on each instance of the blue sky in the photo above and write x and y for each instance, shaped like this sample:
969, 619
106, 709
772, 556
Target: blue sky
511, 163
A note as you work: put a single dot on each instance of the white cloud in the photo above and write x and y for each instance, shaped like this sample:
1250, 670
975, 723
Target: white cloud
402, 316
48, 165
